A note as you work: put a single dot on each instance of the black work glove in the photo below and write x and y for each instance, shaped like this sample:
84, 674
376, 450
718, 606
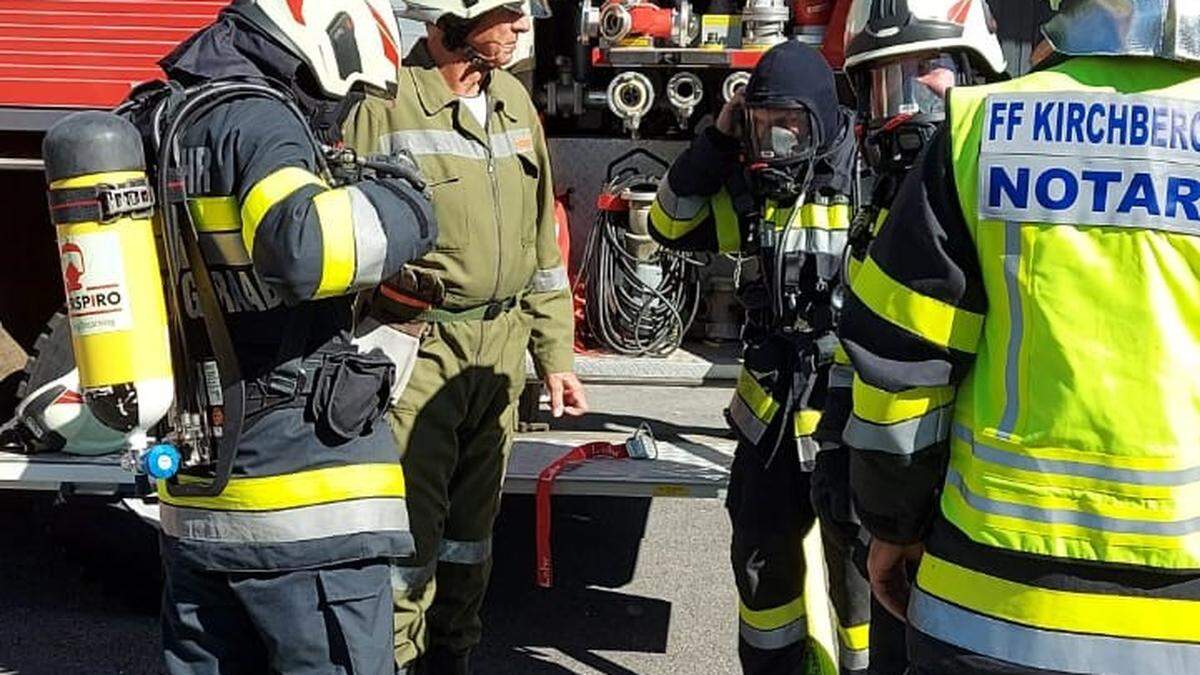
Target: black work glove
400, 164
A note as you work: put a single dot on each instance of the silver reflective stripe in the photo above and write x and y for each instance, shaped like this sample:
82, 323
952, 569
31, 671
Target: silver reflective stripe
406, 579
1045, 649
808, 449
841, 377
902, 438
1065, 517
432, 142
995, 455
224, 248
676, 207
850, 659
817, 240
553, 279
779, 638
511, 143
743, 418
370, 241
1016, 318
377, 514
465, 552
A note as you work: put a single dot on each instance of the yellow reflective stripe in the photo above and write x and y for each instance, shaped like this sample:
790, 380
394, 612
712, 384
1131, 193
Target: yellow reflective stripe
1164, 619
856, 638
304, 488
839, 216
756, 398
215, 214
840, 356
671, 228
806, 422
729, 234
825, 217
854, 267
770, 619
267, 193
335, 213
815, 216
879, 221
938, 322
886, 407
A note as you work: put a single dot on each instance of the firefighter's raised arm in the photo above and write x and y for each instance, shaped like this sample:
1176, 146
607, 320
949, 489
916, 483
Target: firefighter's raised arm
311, 241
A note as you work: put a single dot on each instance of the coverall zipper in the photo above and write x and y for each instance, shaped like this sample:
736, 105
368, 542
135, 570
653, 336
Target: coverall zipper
491, 170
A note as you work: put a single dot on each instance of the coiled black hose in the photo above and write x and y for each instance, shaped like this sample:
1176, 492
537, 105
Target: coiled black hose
625, 314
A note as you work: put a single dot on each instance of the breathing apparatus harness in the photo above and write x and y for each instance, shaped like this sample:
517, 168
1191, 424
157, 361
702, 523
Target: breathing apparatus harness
210, 405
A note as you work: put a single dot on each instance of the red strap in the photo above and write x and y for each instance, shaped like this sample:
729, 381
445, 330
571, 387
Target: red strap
407, 300
578, 455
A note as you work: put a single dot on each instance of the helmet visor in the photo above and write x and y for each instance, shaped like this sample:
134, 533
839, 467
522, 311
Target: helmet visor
780, 135
910, 87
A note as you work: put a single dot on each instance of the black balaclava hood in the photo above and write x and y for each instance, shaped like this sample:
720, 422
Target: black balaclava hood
792, 72
232, 47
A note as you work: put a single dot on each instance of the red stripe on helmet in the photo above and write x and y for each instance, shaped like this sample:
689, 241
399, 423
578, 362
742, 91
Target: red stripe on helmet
297, 7
959, 11
389, 45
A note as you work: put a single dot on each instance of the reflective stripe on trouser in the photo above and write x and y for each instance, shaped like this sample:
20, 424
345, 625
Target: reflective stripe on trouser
1055, 629
753, 409
771, 513
455, 423
853, 646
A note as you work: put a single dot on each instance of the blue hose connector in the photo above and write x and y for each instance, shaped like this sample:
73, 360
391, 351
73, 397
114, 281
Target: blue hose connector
161, 461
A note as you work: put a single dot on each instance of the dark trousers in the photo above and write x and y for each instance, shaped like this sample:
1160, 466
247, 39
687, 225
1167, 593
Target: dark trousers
771, 513
334, 620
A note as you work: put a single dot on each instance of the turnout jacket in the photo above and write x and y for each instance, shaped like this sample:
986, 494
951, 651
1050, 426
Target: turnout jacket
493, 194
287, 251
1024, 340
705, 203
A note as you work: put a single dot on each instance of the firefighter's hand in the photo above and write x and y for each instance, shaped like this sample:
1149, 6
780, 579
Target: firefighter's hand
566, 394
399, 164
889, 566
729, 122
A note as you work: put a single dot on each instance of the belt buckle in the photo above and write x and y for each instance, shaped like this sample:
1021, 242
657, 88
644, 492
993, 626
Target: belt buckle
493, 310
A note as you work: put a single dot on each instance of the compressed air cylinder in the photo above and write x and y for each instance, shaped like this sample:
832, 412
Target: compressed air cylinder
102, 206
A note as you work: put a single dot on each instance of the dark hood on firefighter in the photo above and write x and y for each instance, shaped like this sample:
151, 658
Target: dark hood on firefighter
233, 48
792, 72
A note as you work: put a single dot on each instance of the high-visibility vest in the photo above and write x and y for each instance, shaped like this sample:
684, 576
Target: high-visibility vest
1076, 435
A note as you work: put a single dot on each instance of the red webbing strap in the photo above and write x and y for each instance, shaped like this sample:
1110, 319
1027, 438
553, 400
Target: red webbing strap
579, 455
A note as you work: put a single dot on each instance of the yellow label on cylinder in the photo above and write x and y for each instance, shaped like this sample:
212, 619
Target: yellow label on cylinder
114, 295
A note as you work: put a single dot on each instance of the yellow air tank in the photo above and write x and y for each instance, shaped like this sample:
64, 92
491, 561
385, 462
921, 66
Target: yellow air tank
102, 205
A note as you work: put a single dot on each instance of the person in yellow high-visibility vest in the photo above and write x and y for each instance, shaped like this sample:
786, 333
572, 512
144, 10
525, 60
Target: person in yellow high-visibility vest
1023, 334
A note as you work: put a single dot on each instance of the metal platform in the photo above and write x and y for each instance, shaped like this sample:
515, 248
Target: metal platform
694, 364
694, 451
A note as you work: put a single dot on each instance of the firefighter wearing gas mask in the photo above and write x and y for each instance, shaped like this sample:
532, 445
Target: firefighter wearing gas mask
277, 534
1031, 494
902, 58
494, 287
772, 181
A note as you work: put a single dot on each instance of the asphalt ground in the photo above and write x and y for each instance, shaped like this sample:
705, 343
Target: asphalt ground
642, 586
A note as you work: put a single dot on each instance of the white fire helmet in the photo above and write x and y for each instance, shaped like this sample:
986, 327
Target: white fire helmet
343, 42
883, 30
